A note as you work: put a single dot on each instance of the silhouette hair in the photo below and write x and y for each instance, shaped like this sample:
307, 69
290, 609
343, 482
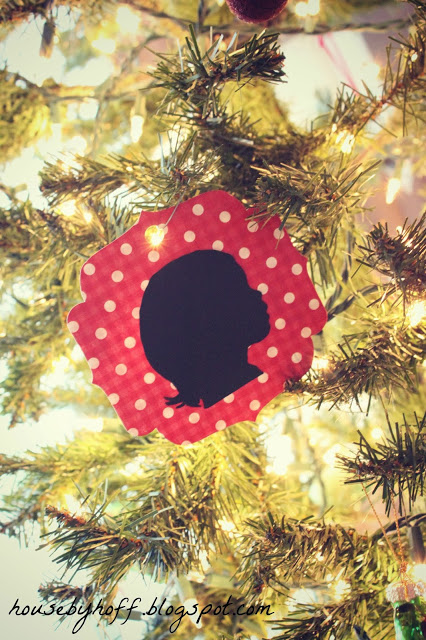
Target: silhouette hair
198, 317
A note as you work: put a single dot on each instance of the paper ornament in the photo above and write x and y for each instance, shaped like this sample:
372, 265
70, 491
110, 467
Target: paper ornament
194, 319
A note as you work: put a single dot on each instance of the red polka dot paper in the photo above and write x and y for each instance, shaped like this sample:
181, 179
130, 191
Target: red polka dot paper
113, 282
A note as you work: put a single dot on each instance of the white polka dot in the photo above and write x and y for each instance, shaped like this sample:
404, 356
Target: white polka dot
198, 209
217, 245
252, 226
314, 303
244, 253
73, 326
279, 234
224, 216
296, 357
101, 333
254, 405
220, 425
93, 363
263, 378
110, 305
229, 398
297, 269
153, 256
121, 369
163, 226
279, 323
173, 386
129, 342
89, 269
168, 412
84, 295
133, 432
136, 312
271, 262
289, 297
117, 276
306, 332
144, 284
186, 443
263, 288
126, 249
113, 398
149, 378
189, 236
272, 352
194, 418
140, 404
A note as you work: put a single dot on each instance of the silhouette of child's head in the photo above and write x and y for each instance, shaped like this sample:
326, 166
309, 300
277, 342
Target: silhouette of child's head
198, 317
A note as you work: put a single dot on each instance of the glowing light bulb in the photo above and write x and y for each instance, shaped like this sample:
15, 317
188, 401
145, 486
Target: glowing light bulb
414, 56
313, 7
87, 216
341, 589
227, 526
346, 141
104, 45
154, 235
377, 433
416, 312
309, 8
128, 20
301, 9
68, 208
419, 572
320, 363
136, 127
392, 189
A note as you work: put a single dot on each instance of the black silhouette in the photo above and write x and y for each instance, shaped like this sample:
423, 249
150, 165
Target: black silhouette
197, 319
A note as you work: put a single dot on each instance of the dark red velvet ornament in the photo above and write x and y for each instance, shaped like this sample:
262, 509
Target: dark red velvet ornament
256, 10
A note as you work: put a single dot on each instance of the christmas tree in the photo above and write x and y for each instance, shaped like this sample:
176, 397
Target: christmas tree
307, 522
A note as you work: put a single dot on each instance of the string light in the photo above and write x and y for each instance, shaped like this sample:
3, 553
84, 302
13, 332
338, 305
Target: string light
309, 8
104, 45
341, 588
136, 127
320, 363
87, 216
416, 313
392, 189
154, 235
68, 208
377, 433
127, 20
227, 526
346, 141
418, 572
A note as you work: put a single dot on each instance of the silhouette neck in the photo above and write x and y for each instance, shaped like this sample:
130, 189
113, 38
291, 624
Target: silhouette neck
221, 378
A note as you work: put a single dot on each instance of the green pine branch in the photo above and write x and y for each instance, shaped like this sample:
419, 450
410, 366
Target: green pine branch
384, 359
396, 466
400, 258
